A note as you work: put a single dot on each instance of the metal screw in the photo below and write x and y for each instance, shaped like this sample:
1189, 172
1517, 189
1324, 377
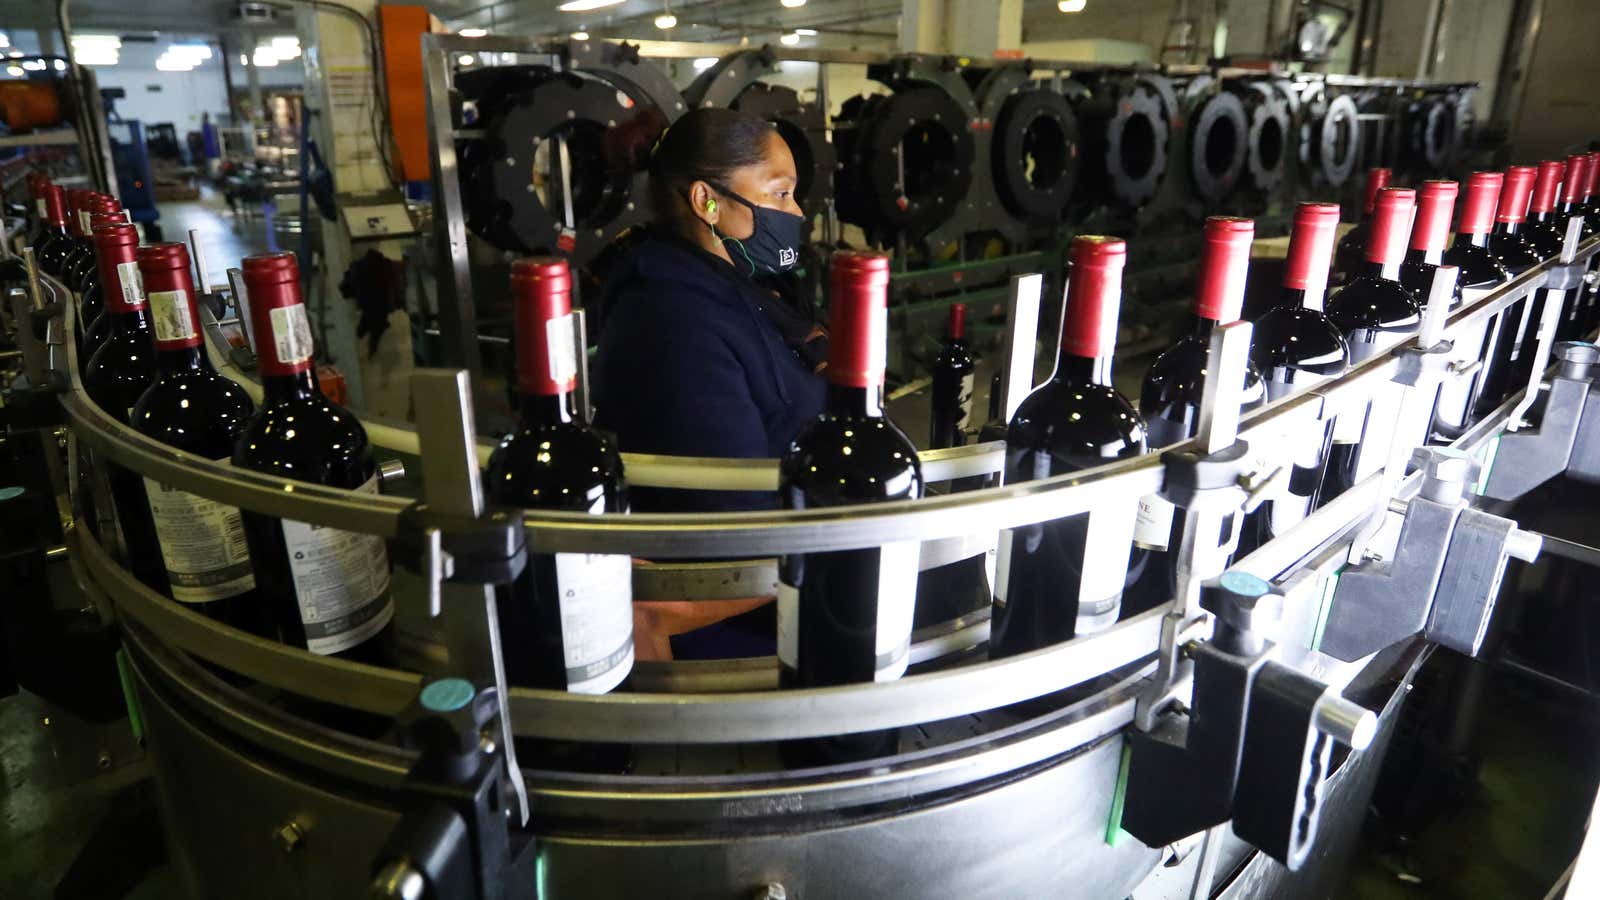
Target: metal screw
288, 837
772, 891
103, 760
486, 743
399, 881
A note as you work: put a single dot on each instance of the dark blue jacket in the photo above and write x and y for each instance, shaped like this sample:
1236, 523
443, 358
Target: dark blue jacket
688, 365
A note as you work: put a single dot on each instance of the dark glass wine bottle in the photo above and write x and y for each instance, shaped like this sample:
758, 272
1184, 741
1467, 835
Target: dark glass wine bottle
567, 622
1546, 226
95, 325
1295, 347
1590, 316
845, 616
1373, 312
1057, 579
325, 590
78, 238
1347, 258
1170, 398
1430, 233
953, 374
1478, 272
191, 548
52, 249
39, 213
1579, 198
81, 267
1506, 241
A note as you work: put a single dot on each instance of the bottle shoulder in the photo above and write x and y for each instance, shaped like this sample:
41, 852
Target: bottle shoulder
307, 438
955, 356
1480, 267
848, 459
1078, 424
1178, 376
199, 411
125, 357
1300, 337
1375, 303
565, 465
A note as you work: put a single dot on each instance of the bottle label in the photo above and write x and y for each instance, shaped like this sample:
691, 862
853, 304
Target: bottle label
83, 222
964, 401
1001, 578
596, 592
341, 581
291, 334
559, 337
202, 544
1105, 566
131, 285
897, 601
38, 203
788, 623
1153, 525
169, 312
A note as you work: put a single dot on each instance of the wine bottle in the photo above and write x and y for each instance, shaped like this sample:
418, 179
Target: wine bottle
81, 266
95, 324
1430, 233
1478, 272
845, 616
1590, 317
567, 621
1056, 579
325, 590
1352, 247
1506, 241
193, 549
953, 374
39, 215
1546, 227
1295, 347
1579, 196
1170, 398
1374, 312
52, 249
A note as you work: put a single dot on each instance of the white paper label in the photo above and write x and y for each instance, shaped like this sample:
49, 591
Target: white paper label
563, 354
202, 545
1105, 566
788, 625
131, 283
1153, 526
341, 581
83, 221
291, 334
169, 311
897, 602
38, 204
596, 593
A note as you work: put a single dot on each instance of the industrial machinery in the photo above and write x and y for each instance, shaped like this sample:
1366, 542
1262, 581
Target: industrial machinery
1223, 744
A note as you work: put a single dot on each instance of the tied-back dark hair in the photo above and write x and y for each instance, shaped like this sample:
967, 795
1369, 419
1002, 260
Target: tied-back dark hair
705, 144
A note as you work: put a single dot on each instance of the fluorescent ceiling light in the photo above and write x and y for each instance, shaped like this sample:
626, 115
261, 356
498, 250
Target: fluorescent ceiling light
285, 47
666, 21
580, 35
466, 59
195, 52
806, 32
263, 58
792, 4
61, 65
14, 70
789, 40
586, 5
89, 40
5, 40
108, 57
473, 32
34, 65
18, 53
173, 64
244, 59
704, 63
1072, 6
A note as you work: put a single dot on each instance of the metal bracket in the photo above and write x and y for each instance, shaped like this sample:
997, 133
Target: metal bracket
1533, 457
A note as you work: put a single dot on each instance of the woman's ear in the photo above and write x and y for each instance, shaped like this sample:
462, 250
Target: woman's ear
703, 203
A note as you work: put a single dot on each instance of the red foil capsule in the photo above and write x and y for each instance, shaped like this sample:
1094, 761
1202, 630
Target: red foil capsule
1377, 180
55, 205
1311, 246
1515, 194
1483, 195
1224, 268
1436, 202
1577, 178
169, 288
116, 248
1592, 183
859, 318
1391, 222
958, 320
282, 330
1094, 295
541, 290
1546, 186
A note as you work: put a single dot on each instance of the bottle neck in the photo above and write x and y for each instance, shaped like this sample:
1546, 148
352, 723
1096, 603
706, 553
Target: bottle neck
1382, 271
547, 409
1506, 227
1424, 257
856, 402
294, 386
1202, 327
1472, 239
1071, 369
182, 359
136, 320
1298, 298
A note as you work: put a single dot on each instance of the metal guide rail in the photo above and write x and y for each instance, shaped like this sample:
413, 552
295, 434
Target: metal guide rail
1145, 671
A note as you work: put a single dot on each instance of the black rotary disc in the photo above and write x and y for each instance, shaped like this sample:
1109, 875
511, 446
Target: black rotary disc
1338, 141
1035, 153
1136, 146
906, 161
1268, 145
1217, 146
801, 126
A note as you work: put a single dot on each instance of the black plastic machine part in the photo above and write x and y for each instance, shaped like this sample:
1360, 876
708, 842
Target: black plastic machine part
905, 161
1126, 127
1247, 749
1035, 154
1267, 145
1217, 135
491, 549
1331, 138
452, 841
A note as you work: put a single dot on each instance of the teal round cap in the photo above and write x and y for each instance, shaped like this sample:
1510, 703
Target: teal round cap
448, 694
1244, 584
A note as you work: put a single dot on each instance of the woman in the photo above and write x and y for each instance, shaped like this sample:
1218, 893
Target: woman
705, 350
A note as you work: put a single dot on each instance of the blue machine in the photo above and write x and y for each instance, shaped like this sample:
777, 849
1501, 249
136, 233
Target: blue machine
130, 157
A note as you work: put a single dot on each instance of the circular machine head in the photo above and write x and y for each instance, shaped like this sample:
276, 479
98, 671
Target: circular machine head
906, 161
1135, 145
1336, 139
1268, 143
1036, 154
553, 133
802, 127
1217, 137
1436, 132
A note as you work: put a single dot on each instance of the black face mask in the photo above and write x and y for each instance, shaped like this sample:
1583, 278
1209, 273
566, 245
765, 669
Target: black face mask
774, 246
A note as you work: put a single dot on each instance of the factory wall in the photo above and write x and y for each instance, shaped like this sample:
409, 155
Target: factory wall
1560, 108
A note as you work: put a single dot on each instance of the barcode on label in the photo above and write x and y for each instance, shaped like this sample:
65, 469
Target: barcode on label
131, 283
559, 338
170, 314
291, 334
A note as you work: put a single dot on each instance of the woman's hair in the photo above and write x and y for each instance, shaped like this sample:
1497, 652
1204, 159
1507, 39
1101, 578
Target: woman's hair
706, 144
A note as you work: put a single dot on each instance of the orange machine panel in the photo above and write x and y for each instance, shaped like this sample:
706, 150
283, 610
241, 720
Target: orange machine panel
403, 27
